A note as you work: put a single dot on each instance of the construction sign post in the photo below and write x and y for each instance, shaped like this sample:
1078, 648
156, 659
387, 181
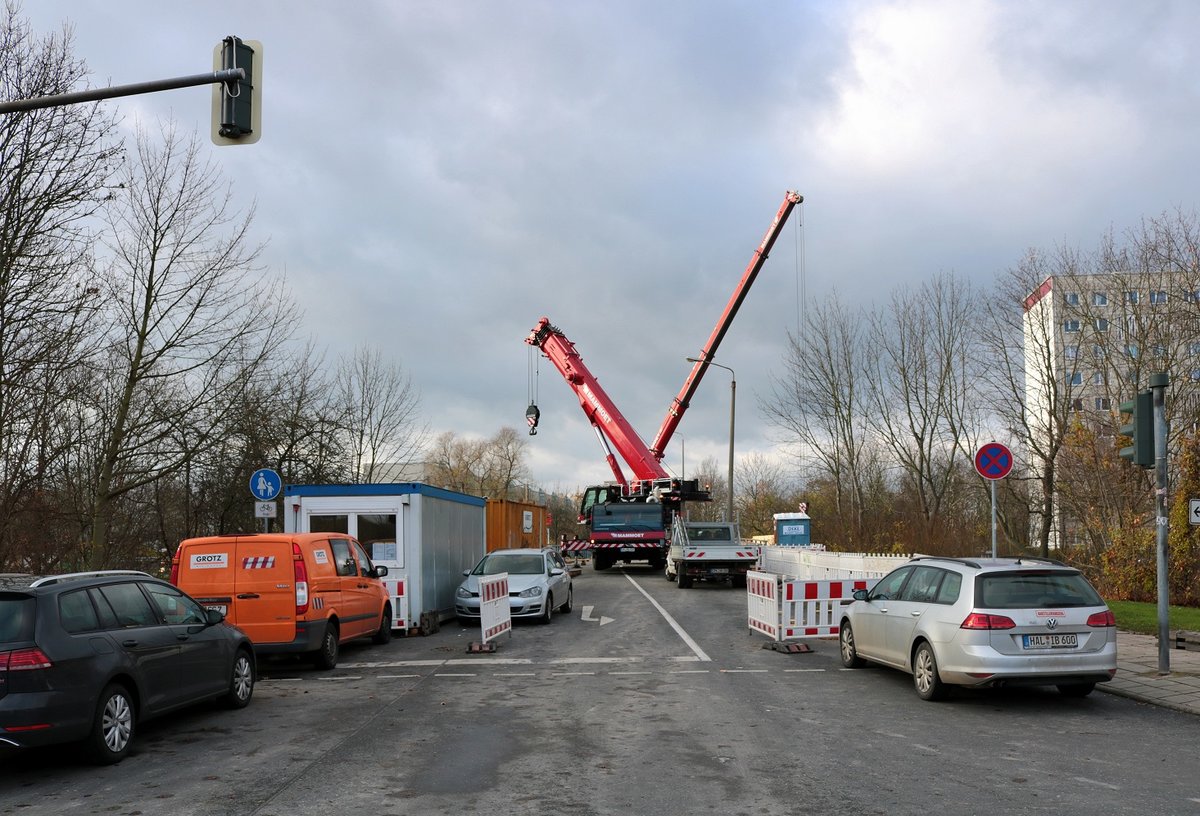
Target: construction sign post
993, 462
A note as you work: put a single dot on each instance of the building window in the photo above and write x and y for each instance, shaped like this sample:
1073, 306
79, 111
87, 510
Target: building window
1098, 378
1193, 349
1195, 374
1102, 324
1099, 299
1098, 351
1070, 326
1075, 379
1071, 352
1159, 351
1191, 297
1158, 297
1132, 350
1131, 297
1071, 298
1077, 405
1102, 403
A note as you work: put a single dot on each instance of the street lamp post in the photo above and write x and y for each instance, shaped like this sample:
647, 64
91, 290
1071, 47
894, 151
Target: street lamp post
732, 407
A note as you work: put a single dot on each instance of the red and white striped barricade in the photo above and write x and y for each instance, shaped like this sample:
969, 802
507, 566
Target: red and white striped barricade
793, 609
495, 615
395, 588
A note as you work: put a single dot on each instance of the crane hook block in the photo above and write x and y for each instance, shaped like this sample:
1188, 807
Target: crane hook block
532, 415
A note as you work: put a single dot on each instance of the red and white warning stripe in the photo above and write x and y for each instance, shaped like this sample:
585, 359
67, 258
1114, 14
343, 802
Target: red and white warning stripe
258, 562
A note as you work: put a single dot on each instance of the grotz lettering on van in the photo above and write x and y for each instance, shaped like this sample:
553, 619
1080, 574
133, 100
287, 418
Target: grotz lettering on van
210, 560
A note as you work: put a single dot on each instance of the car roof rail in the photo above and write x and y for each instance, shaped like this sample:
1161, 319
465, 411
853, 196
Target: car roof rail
74, 576
1037, 559
967, 561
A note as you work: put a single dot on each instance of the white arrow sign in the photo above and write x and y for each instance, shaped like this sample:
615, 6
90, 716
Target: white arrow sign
1194, 511
587, 616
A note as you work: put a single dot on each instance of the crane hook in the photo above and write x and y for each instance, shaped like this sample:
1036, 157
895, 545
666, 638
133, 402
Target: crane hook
532, 415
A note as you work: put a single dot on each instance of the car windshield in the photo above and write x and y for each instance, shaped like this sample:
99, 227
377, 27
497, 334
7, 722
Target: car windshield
16, 618
523, 564
1031, 589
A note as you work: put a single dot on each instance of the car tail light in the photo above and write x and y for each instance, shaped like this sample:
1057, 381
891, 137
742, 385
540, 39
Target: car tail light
301, 580
175, 570
1103, 619
24, 660
982, 620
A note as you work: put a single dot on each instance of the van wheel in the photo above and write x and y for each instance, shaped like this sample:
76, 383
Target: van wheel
384, 635
241, 684
327, 655
112, 726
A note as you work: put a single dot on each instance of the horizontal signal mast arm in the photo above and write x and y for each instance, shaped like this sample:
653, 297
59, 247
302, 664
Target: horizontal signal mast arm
599, 408
684, 398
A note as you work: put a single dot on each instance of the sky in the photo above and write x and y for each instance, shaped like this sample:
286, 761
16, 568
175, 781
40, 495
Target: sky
433, 177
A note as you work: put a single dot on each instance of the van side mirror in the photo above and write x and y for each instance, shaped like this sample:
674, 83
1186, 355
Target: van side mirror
380, 571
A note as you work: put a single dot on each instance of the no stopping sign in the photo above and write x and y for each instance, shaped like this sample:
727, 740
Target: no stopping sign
993, 461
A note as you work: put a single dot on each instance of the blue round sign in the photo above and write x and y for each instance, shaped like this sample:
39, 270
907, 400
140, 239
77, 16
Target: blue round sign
265, 484
993, 461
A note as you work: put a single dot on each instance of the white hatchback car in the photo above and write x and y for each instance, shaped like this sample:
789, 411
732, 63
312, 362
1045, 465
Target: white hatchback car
983, 622
538, 583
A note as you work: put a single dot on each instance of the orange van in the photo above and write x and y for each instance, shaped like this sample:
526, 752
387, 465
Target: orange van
291, 593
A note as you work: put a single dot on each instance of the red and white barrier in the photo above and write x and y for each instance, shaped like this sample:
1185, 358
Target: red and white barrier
495, 614
792, 609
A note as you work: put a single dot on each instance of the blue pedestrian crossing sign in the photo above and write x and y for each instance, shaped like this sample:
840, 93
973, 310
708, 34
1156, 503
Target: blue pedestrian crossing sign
265, 484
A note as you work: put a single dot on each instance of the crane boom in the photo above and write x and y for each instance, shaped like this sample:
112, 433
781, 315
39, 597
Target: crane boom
601, 411
680, 404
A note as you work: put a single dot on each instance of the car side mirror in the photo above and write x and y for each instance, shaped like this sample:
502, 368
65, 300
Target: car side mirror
466, 572
214, 616
556, 571
380, 570
860, 595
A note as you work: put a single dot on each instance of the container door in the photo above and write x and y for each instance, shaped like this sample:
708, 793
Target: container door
265, 590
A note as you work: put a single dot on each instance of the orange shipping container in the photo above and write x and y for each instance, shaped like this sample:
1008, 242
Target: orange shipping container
512, 524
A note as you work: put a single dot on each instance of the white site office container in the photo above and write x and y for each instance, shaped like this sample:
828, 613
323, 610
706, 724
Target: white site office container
424, 535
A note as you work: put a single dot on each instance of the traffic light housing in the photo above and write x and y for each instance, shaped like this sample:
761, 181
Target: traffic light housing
1139, 429
237, 106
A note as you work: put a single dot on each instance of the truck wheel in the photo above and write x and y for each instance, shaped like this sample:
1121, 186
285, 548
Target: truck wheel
601, 563
327, 656
670, 576
685, 580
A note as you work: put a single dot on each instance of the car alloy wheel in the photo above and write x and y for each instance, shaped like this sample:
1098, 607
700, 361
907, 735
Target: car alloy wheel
850, 658
925, 674
241, 687
112, 731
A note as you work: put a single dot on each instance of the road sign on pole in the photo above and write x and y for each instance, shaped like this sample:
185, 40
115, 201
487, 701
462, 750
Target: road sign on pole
993, 461
265, 484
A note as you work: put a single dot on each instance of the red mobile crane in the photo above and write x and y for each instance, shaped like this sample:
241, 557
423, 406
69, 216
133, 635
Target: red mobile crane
629, 520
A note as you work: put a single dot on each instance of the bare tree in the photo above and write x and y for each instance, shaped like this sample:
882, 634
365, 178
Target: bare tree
192, 319
379, 415
54, 167
920, 374
820, 406
492, 467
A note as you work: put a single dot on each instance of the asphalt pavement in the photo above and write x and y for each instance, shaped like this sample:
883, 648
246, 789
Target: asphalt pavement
1138, 675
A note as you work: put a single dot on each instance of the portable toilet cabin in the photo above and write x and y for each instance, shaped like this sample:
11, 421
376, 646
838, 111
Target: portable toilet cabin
792, 530
426, 536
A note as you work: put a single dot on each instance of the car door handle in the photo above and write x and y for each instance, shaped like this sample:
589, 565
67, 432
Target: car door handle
246, 595
916, 613
183, 636
129, 644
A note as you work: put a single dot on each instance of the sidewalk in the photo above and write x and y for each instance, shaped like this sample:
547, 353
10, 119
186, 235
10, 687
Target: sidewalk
1138, 677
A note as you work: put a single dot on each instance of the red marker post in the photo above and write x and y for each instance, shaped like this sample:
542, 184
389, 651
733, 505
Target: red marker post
993, 462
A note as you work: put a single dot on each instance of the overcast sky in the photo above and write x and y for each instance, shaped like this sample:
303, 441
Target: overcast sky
434, 177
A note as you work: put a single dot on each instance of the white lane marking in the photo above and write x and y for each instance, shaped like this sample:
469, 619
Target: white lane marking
449, 674
695, 647
341, 678
572, 674
501, 661
795, 671
399, 676
587, 616
516, 674
563, 661
1087, 781
614, 674
744, 671
689, 671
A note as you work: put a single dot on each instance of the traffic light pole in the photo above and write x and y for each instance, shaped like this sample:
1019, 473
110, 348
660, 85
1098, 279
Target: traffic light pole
1158, 385
227, 76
